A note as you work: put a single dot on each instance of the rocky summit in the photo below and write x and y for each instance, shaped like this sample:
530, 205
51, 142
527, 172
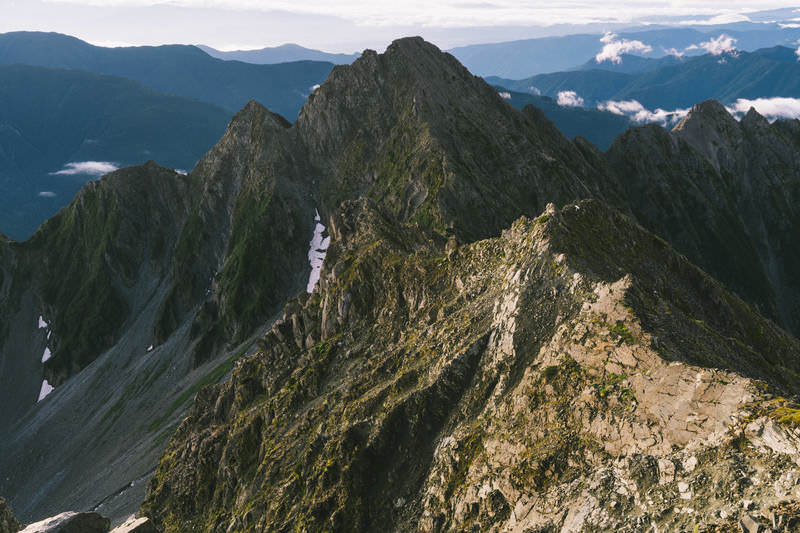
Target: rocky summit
509, 331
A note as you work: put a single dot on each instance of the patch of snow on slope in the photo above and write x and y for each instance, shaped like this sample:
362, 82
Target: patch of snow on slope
42, 323
316, 252
46, 355
46, 389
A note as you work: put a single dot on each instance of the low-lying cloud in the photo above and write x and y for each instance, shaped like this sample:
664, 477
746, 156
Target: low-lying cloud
47, 194
771, 108
89, 168
716, 46
614, 47
569, 99
505, 95
640, 114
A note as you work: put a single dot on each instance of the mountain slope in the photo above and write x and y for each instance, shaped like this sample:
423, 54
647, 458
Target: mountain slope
50, 117
448, 326
515, 382
139, 284
764, 73
174, 69
280, 54
725, 193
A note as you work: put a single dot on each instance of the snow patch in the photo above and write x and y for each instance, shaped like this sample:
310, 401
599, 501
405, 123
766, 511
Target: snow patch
42, 322
316, 252
46, 355
45, 390
150, 348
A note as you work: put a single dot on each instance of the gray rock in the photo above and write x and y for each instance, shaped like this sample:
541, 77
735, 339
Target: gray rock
749, 524
136, 525
71, 522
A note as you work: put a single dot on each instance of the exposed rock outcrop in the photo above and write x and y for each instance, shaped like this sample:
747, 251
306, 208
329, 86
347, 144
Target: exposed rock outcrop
136, 525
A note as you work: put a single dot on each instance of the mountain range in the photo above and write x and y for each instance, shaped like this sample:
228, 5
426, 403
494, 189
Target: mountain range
59, 128
765, 73
511, 330
525, 58
279, 54
174, 69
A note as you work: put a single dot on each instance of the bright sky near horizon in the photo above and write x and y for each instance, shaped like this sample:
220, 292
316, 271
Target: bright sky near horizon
350, 25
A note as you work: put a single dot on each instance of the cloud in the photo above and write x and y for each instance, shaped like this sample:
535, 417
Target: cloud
47, 194
534, 90
638, 113
569, 99
771, 108
614, 47
723, 43
673, 52
505, 95
797, 52
90, 168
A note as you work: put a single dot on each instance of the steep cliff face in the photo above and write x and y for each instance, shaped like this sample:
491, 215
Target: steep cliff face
574, 374
726, 194
413, 130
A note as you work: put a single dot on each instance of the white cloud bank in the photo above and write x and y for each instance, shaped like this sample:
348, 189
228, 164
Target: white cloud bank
614, 47
771, 108
47, 194
716, 46
640, 114
569, 99
90, 168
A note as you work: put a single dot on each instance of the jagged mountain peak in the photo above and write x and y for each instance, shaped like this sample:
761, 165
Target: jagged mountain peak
754, 121
707, 114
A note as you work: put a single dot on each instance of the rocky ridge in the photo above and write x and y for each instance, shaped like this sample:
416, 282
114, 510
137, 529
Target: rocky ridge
558, 377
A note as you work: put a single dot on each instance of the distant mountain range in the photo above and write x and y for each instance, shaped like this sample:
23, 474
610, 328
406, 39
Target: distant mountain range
52, 117
598, 127
175, 69
765, 73
279, 54
525, 58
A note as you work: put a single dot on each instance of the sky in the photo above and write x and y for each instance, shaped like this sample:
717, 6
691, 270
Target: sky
352, 25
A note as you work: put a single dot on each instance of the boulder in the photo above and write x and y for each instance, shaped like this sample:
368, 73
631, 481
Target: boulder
136, 525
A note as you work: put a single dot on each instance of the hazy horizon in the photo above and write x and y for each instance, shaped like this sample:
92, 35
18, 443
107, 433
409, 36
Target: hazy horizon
354, 25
